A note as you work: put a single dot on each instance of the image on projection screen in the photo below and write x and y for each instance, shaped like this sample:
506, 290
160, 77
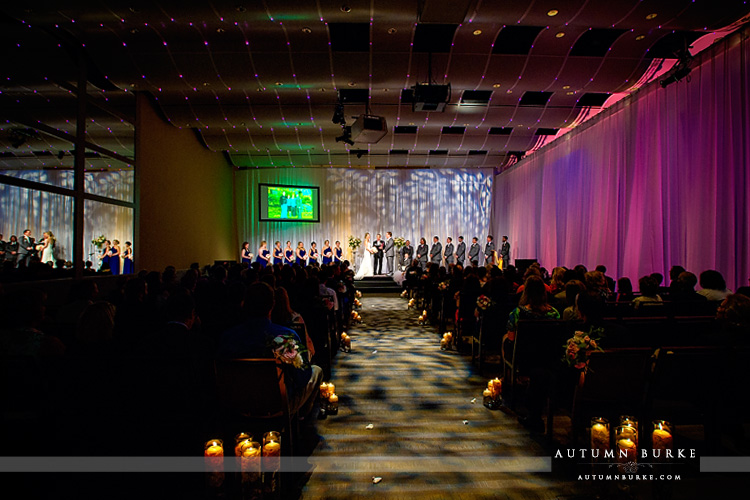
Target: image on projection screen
289, 203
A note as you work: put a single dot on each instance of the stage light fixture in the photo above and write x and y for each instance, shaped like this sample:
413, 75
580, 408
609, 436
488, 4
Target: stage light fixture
681, 70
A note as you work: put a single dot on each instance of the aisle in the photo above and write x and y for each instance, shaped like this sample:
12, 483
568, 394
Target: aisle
417, 398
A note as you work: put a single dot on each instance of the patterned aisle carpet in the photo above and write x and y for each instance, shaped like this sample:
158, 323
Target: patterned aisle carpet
419, 402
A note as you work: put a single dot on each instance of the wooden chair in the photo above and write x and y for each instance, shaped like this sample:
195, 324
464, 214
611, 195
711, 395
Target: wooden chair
255, 389
615, 384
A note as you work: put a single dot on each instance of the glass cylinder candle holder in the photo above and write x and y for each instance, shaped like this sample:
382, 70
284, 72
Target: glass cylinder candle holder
250, 469
487, 398
626, 439
238, 439
324, 391
333, 405
599, 434
213, 453
661, 438
629, 420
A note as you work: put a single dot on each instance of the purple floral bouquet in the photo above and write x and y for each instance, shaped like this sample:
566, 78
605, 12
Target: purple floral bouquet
286, 350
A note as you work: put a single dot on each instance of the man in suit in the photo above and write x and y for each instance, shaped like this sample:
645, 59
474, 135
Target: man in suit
448, 254
474, 252
461, 251
377, 264
436, 252
505, 252
422, 253
389, 252
407, 253
282, 203
25, 249
489, 251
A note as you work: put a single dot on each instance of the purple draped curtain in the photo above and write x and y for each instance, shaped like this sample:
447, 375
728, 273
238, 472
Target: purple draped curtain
660, 179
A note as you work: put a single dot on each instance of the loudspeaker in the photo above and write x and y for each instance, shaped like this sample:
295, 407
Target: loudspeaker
523, 264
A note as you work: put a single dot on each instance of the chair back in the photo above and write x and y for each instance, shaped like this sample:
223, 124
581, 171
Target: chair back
252, 388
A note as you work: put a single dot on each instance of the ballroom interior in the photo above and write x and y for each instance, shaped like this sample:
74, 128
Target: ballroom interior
591, 132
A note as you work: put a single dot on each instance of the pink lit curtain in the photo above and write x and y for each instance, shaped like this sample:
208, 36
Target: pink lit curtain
660, 179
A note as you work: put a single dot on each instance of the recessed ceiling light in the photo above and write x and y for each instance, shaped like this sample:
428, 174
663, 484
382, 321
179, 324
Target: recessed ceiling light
477, 32
206, 84
279, 84
651, 16
220, 30
560, 34
553, 12
508, 91
306, 29
571, 93
496, 85
392, 31
640, 37
566, 87
346, 8
240, 8
352, 84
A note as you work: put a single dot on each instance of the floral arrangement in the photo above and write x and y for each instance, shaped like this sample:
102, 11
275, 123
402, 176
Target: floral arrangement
399, 242
99, 241
580, 347
286, 350
483, 302
354, 243
443, 286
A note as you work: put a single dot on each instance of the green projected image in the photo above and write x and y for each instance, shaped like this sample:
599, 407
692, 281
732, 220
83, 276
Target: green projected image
289, 203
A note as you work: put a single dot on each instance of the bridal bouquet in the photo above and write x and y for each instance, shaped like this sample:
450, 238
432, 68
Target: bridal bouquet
580, 347
99, 241
354, 243
399, 242
285, 348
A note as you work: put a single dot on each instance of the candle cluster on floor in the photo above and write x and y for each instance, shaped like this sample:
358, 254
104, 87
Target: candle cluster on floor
329, 400
626, 438
346, 342
446, 341
492, 396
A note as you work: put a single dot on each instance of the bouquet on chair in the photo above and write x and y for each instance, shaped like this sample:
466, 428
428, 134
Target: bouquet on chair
580, 347
286, 350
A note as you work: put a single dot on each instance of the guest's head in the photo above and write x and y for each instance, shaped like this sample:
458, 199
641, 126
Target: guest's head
601, 268
573, 288
282, 308
658, 277
389, 234
259, 300
96, 325
27, 232
734, 312
422, 241
534, 294
408, 243
595, 280
674, 272
687, 281
624, 285
712, 280
591, 307
648, 286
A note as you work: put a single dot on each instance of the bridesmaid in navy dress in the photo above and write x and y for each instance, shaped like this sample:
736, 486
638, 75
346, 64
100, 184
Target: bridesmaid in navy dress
245, 256
301, 254
114, 257
264, 255
127, 259
327, 253
106, 252
288, 254
278, 254
338, 252
314, 255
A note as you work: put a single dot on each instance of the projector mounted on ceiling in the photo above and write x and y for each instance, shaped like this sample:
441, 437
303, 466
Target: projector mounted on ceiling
431, 97
369, 128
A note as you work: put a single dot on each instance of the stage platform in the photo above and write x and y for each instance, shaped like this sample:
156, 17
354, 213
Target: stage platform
377, 284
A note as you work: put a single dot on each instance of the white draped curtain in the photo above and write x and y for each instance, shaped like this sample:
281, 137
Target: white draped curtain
411, 203
660, 179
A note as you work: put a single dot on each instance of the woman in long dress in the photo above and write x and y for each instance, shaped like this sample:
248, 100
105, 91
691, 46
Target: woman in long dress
114, 258
365, 267
127, 259
48, 249
105, 256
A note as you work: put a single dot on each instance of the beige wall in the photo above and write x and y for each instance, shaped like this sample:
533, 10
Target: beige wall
186, 193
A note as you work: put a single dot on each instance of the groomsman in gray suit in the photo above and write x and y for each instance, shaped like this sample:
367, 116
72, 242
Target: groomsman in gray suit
461, 251
474, 252
448, 251
436, 252
407, 254
389, 252
489, 251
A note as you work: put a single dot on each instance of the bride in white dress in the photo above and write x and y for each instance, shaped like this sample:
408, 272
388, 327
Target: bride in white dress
48, 248
365, 267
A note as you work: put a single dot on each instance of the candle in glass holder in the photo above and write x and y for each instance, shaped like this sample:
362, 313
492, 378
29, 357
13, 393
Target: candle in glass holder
238, 440
599, 434
626, 438
661, 436
487, 397
333, 405
424, 313
497, 387
213, 451
628, 421
324, 391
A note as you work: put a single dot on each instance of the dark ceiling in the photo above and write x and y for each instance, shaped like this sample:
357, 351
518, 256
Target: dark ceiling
260, 80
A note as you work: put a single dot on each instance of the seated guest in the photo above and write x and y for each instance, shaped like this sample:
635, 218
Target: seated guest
744, 290
649, 289
557, 284
284, 315
572, 289
624, 290
684, 289
674, 274
596, 282
734, 317
533, 305
714, 288
610, 281
413, 274
257, 339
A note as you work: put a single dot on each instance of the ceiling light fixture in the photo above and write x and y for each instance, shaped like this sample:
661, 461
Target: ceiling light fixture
566, 87
560, 34
477, 32
553, 12
392, 31
651, 16
306, 29
640, 37
352, 84
346, 8
496, 85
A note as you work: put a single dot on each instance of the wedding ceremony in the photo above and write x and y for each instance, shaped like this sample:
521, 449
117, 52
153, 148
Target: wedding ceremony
426, 249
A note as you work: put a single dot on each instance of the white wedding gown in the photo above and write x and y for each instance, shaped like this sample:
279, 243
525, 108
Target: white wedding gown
365, 267
48, 254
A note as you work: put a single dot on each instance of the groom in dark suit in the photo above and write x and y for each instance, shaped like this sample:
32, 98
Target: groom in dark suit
377, 264
25, 249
